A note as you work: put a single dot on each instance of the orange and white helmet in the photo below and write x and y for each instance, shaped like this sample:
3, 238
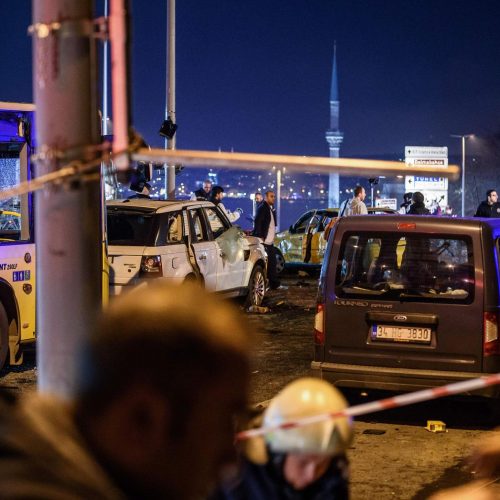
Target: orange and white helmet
306, 397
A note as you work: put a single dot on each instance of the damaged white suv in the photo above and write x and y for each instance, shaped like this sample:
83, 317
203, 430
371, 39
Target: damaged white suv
181, 241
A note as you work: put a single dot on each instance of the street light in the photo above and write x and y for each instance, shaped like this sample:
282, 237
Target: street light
463, 137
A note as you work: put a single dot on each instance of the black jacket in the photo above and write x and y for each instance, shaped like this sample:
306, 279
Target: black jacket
417, 208
201, 194
263, 220
266, 482
486, 210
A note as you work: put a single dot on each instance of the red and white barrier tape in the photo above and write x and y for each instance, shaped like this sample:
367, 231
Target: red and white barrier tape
383, 404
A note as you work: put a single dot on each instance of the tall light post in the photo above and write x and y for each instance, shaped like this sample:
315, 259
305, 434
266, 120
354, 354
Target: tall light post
463, 137
170, 101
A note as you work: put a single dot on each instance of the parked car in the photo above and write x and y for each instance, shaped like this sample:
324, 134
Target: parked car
409, 302
304, 243
182, 241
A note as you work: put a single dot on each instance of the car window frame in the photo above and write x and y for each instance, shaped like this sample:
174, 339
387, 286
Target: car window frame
204, 227
226, 223
466, 238
162, 235
305, 217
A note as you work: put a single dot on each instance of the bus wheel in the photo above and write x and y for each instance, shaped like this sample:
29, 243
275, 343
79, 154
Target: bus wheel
4, 336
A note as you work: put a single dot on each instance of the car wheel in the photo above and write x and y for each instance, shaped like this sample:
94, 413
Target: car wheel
280, 261
256, 287
4, 336
193, 280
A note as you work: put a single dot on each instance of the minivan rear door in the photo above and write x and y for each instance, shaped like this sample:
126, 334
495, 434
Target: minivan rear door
404, 294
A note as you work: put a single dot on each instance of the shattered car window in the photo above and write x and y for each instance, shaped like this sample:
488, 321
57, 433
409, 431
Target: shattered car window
410, 266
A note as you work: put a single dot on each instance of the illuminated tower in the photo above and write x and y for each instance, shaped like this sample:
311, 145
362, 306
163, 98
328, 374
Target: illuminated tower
334, 136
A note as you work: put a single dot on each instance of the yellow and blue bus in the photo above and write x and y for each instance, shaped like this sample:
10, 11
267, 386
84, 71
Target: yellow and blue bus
17, 245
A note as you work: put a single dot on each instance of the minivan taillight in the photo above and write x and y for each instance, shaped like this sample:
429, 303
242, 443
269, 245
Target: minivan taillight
491, 343
151, 266
319, 325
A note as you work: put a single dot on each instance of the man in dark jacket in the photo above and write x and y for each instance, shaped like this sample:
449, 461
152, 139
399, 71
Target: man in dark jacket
418, 207
141, 426
490, 207
203, 194
265, 229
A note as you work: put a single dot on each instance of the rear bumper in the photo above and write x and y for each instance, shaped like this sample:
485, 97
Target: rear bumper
394, 379
118, 288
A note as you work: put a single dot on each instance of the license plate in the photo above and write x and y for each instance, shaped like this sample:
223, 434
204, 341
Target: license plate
417, 334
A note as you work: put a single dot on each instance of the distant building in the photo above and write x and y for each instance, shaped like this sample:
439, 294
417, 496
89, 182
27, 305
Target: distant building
334, 136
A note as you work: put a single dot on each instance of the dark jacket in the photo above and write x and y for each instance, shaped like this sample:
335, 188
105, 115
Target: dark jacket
263, 220
201, 194
486, 210
417, 208
266, 482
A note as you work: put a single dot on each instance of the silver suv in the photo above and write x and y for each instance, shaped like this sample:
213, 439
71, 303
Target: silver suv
182, 241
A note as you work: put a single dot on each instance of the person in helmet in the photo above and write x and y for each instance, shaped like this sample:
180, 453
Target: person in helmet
306, 462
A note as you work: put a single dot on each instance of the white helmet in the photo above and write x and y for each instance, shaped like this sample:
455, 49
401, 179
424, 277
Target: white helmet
306, 397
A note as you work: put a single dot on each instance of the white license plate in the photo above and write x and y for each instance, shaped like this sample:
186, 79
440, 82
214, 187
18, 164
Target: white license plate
417, 334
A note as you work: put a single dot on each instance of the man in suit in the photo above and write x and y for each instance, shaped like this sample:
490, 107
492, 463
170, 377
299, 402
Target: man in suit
265, 229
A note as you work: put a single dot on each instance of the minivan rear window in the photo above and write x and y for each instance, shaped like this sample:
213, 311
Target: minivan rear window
405, 266
131, 228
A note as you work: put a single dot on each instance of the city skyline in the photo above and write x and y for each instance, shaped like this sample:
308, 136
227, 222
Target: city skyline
256, 77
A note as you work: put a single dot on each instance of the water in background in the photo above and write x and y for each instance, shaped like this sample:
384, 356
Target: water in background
291, 210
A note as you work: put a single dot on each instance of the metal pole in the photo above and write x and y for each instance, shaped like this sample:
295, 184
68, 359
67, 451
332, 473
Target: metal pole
170, 104
118, 32
105, 50
463, 175
278, 197
67, 215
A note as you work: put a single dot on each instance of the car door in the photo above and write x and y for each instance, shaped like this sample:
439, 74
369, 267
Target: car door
230, 250
204, 248
310, 240
297, 233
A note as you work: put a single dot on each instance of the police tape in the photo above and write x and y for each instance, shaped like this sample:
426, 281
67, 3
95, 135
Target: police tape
375, 406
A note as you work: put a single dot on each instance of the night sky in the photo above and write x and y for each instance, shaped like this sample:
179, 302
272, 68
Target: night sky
255, 75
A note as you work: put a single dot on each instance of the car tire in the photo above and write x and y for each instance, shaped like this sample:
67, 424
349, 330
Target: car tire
192, 279
256, 287
4, 336
280, 262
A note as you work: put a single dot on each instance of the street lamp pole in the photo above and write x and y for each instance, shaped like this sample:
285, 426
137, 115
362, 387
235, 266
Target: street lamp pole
462, 137
463, 176
170, 101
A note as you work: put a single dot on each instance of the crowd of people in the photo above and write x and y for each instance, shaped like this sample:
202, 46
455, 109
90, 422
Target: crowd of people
153, 415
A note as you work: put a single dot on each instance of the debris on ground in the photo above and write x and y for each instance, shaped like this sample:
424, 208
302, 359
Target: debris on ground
258, 309
375, 432
436, 426
302, 283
